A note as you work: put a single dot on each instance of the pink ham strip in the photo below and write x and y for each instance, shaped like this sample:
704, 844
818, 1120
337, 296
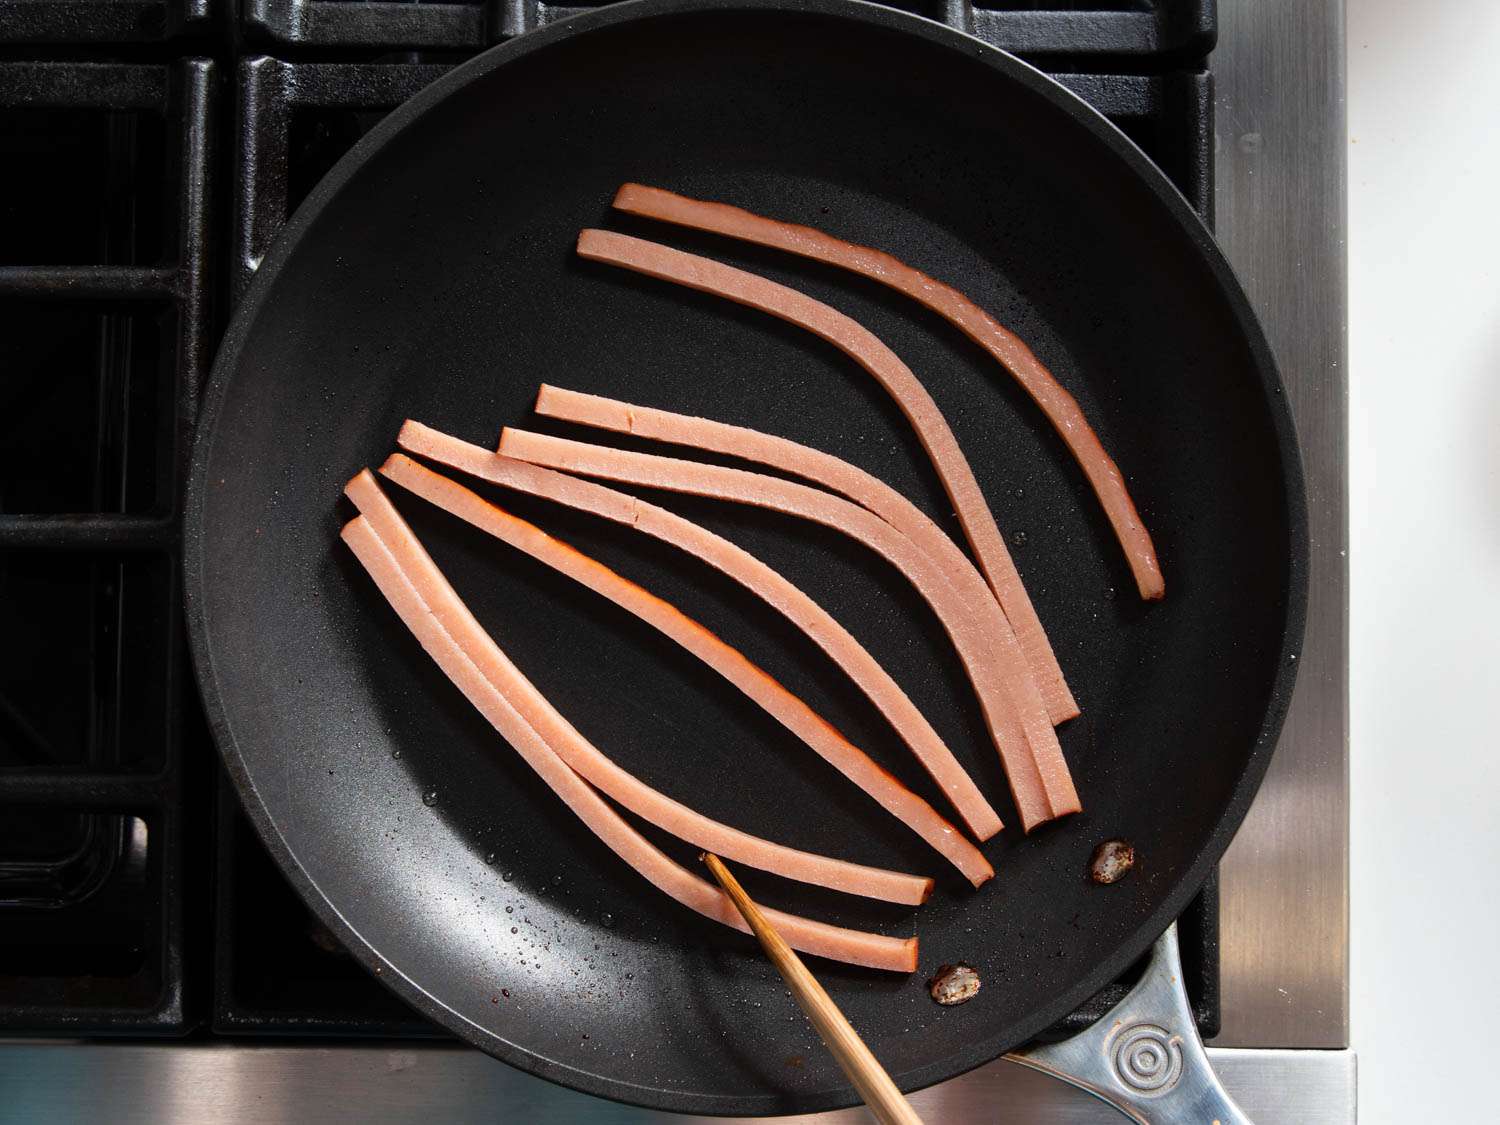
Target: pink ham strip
585, 758
729, 662
861, 345
744, 568
1060, 407
865, 489
1039, 778
856, 947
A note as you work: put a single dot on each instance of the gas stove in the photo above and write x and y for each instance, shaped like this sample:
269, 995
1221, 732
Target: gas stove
157, 147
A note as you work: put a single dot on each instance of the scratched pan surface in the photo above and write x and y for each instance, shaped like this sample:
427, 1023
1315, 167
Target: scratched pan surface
430, 276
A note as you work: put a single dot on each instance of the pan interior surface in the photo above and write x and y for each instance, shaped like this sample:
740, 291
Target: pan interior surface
433, 278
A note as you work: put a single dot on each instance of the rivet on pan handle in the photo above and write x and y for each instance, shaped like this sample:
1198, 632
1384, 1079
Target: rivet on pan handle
1144, 1056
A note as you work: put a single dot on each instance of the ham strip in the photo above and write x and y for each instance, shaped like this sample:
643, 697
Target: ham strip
861, 345
1013, 708
729, 662
1060, 407
585, 758
856, 947
743, 567
865, 489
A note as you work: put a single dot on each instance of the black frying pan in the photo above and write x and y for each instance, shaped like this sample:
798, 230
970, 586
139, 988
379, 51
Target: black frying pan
430, 275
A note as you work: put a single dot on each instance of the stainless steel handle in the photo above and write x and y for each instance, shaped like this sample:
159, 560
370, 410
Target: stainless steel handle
1144, 1056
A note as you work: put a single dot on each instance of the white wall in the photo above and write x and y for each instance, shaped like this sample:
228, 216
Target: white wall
1424, 335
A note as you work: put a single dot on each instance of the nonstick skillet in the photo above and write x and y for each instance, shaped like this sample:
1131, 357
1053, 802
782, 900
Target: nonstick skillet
430, 275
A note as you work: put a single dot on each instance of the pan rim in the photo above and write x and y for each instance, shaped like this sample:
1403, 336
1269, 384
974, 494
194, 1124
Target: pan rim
1007, 67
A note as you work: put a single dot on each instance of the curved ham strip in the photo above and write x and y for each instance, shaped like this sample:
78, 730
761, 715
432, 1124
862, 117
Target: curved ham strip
744, 568
781, 704
861, 345
585, 758
865, 489
833, 473
1060, 407
856, 947
1013, 709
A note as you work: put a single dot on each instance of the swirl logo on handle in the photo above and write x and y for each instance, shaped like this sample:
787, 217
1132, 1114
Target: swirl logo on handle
1147, 1058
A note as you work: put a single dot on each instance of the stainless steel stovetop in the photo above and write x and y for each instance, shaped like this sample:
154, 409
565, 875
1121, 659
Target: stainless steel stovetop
1283, 1051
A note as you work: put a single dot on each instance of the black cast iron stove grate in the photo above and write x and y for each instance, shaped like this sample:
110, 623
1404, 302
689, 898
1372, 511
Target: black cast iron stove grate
105, 346
1153, 35
134, 898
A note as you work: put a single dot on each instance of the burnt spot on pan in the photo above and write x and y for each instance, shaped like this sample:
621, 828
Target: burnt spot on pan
954, 984
1111, 862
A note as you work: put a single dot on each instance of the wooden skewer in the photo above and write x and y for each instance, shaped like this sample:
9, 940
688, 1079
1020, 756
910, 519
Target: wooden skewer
864, 1070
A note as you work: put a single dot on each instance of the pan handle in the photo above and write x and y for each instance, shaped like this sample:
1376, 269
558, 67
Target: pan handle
1144, 1056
